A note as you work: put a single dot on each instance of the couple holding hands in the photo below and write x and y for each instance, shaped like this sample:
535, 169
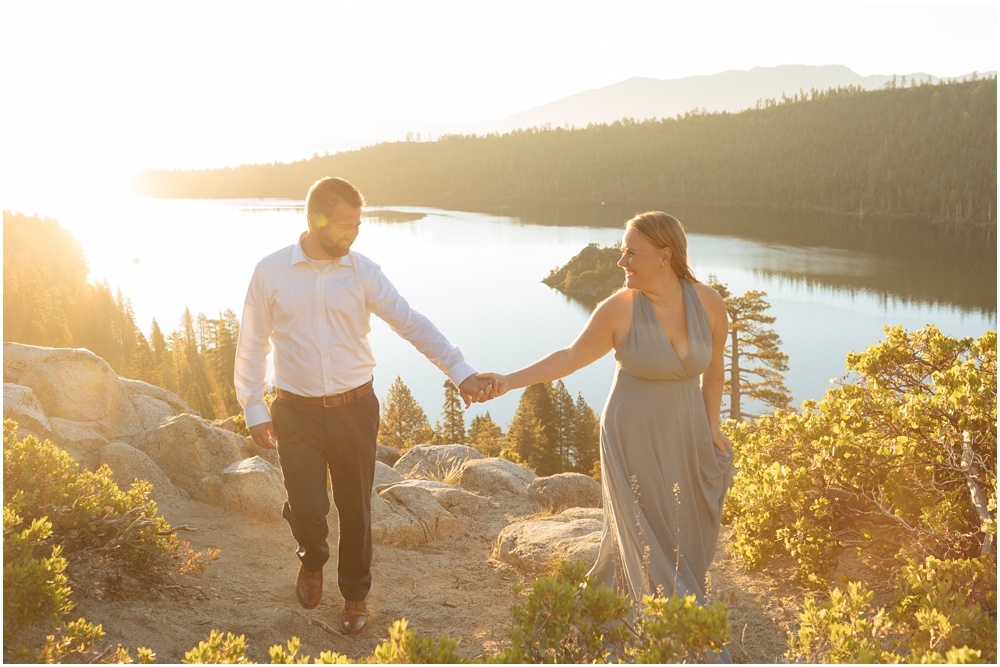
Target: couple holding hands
665, 463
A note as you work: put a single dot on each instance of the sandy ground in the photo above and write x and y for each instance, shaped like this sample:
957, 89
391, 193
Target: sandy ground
448, 586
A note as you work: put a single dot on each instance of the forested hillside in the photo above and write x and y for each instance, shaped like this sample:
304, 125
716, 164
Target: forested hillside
927, 151
48, 301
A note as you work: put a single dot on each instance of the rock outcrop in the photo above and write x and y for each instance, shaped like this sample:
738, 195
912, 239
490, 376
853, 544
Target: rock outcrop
80, 438
129, 464
188, 449
493, 476
565, 490
408, 516
387, 455
152, 404
453, 498
229, 424
144, 432
535, 544
434, 461
73, 384
20, 404
385, 475
253, 488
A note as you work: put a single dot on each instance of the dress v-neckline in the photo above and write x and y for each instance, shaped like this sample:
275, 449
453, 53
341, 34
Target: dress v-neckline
659, 326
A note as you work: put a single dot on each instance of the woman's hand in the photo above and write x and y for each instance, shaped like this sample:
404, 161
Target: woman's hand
722, 441
501, 385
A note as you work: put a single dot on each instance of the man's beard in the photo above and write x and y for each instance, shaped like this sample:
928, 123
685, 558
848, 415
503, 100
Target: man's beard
333, 249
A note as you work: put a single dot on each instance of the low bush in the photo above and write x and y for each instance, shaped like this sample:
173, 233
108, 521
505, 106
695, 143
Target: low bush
565, 618
58, 518
944, 611
899, 461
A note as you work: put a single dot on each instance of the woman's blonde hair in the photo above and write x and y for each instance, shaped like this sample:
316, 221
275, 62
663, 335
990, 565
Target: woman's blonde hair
665, 231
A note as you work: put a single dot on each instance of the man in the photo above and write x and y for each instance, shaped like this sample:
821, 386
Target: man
312, 302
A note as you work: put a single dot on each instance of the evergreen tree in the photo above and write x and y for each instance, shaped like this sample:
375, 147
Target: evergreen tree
199, 401
203, 332
143, 364
44, 277
451, 430
754, 361
586, 451
47, 301
563, 421
533, 432
168, 371
403, 422
485, 435
157, 341
525, 436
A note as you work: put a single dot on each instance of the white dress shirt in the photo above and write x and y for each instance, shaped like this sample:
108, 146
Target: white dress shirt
316, 318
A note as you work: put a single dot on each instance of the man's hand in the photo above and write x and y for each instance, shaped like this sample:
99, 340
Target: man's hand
476, 390
263, 434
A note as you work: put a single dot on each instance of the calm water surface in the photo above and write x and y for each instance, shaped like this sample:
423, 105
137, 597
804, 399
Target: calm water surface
477, 276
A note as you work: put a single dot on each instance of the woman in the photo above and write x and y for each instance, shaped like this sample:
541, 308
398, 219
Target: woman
665, 463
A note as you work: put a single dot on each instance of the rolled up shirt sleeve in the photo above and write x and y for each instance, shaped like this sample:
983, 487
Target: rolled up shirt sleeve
252, 348
385, 302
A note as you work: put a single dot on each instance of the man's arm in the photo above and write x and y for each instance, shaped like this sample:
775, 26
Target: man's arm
384, 301
250, 376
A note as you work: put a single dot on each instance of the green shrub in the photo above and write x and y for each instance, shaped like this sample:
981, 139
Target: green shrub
57, 517
407, 647
566, 618
945, 611
218, 649
289, 655
240, 422
900, 460
91, 517
949, 602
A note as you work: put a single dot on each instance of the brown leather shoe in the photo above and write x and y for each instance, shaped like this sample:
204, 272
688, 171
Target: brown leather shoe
309, 588
354, 619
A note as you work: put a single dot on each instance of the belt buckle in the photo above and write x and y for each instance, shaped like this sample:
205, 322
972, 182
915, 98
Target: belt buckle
332, 400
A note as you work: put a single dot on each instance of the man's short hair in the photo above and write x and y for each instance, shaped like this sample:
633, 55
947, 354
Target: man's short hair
326, 193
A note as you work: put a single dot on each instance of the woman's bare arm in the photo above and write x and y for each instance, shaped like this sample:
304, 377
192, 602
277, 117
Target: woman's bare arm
598, 337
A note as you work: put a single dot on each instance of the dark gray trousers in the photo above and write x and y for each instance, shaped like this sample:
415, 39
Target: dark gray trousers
312, 439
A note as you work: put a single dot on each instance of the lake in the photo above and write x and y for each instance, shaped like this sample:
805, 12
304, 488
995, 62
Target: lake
477, 276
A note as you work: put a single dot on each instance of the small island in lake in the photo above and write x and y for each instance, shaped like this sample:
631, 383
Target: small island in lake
592, 276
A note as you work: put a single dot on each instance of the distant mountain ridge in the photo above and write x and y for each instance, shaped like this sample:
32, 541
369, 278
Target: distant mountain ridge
926, 152
638, 98
735, 90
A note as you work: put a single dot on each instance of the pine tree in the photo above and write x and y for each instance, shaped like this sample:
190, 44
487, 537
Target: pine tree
525, 435
752, 352
451, 430
586, 452
157, 341
168, 371
143, 364
485, 435
564, 418
403, 422
532, 433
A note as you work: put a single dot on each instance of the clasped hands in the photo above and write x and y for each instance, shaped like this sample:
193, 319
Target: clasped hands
483, 387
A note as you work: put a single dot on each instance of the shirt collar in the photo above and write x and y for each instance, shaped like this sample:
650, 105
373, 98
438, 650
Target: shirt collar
299, 255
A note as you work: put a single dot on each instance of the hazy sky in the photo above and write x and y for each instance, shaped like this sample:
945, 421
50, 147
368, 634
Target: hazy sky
108, 88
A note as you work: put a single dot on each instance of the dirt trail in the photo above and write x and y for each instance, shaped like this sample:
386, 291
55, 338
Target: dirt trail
446, 587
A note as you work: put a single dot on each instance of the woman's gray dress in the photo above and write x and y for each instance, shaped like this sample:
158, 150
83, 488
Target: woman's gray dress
663, 480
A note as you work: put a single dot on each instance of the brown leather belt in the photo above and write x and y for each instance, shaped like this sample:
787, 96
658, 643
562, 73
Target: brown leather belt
334, 401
